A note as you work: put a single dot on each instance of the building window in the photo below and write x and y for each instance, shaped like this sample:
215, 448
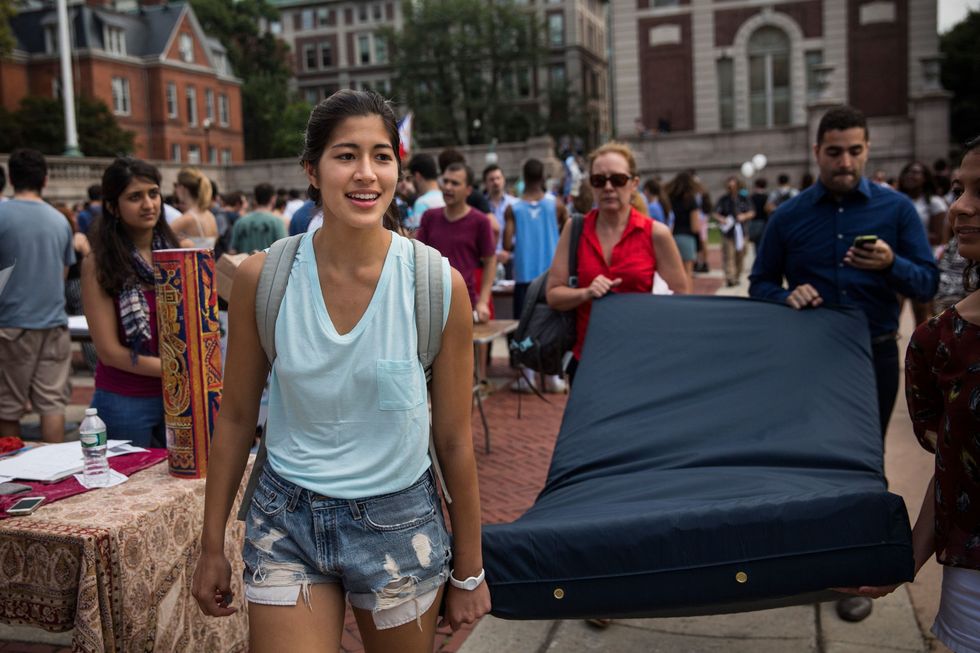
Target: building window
212, 155
191, 107
175, 152
814, 58
665, 3
55, 88
726, 93
309, 57
556, 29
326, 55
380, 49
209, 106
120, 96
364, 49
556, 77
226, 157
307, 19
312, 96
113, 40
362, 14
524, 82
171, 100
769, 89
51, 39
376, 11
322, 16
275, 27
223, 111
221, 63
193, 154
186, 47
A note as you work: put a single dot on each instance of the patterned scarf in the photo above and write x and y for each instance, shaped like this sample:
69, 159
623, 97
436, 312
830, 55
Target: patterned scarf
134, 313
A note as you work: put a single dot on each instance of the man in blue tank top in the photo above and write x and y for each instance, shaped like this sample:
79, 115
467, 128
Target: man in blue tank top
531, 229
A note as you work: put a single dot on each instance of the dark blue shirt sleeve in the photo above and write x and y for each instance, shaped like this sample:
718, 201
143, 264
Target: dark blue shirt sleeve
766, 280
914, 272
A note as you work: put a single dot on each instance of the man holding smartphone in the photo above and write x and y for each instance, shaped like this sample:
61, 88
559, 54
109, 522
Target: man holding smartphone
846, 240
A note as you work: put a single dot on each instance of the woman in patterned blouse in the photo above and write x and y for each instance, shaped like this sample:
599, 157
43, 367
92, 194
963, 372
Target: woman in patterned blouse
942, 387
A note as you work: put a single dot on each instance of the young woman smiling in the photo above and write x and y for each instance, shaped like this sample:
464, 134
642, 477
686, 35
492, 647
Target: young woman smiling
120, 302
346, 504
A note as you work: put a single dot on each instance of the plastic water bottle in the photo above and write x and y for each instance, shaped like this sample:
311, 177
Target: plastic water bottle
93, 437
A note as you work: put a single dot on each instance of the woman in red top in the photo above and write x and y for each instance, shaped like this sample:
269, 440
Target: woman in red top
619, 250
120, 303
942, 387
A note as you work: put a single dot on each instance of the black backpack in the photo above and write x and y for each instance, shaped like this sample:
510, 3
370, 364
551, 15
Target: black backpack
544, 335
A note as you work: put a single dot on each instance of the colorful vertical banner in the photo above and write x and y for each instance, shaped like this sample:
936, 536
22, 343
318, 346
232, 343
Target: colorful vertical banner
190, 353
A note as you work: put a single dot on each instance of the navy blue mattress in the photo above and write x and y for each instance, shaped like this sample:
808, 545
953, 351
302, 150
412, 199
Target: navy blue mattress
717, 455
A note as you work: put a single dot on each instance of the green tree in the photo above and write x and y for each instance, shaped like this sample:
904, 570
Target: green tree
465, 67
274, 118
960, 72
39, 122
7, 11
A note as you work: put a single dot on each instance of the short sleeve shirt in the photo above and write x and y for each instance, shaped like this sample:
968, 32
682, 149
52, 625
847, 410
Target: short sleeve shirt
465, 242
256, 231
36, 247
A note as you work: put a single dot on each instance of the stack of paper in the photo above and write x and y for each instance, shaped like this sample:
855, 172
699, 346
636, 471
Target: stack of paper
54, 462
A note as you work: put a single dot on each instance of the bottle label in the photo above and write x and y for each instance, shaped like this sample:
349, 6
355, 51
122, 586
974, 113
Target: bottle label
96, 439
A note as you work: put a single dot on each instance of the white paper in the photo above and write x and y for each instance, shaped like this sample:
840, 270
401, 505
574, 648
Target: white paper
6, 479
53, 462
115, 478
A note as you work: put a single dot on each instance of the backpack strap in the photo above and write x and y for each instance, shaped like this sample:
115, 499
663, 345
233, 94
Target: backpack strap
272, 288
268, 300
578, 222
428, 325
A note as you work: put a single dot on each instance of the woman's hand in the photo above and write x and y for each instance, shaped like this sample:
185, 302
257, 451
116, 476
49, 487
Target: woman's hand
465, 606
870, 591
602, 285
212, 585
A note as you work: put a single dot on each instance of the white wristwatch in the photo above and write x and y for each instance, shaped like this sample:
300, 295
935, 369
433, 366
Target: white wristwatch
469, 584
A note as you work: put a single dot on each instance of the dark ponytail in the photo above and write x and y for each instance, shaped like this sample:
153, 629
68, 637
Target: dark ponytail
344, 104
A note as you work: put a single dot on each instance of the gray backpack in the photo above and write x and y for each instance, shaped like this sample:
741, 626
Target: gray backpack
428, 322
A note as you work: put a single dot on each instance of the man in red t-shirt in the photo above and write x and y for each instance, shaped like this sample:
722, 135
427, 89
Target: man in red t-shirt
463, 235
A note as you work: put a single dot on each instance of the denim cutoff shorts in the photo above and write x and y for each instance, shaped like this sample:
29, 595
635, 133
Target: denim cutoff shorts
390, 553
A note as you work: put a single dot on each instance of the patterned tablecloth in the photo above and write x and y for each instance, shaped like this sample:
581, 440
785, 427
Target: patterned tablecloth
116, 565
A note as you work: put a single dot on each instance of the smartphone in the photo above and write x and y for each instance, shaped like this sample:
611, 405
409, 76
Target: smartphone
25, 506
861, 241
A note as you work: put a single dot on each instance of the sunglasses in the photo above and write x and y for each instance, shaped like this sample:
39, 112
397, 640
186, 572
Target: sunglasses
618, 180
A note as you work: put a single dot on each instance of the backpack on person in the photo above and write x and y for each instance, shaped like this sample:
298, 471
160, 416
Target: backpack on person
544, 335
428, 322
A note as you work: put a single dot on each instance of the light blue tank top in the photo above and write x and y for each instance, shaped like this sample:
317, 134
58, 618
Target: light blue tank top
348, 416
535, 239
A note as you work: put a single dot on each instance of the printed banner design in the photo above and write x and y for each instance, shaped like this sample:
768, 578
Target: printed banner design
190, 353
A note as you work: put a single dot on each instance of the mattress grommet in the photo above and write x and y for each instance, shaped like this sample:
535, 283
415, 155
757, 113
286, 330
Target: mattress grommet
559, 593
742, 577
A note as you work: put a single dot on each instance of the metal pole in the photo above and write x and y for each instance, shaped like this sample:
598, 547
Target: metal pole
67, 82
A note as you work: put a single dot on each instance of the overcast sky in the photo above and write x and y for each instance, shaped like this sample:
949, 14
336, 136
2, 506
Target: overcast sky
953, 11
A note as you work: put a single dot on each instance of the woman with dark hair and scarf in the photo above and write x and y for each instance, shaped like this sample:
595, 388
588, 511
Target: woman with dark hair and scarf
120, 302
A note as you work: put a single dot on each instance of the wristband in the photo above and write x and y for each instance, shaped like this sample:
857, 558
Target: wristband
470, 583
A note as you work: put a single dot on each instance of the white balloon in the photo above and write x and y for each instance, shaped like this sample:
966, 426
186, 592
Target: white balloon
748, 169
759, 161
490, 158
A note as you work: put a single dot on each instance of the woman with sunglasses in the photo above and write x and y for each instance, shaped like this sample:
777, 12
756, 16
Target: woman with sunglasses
620, 249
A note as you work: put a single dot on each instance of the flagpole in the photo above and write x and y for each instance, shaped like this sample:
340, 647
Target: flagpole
67, 81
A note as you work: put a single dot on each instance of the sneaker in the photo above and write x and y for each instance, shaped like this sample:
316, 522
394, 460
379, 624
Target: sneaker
854, 608
555, 385
522, 386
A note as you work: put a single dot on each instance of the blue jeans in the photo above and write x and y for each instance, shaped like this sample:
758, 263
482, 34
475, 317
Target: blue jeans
139, 419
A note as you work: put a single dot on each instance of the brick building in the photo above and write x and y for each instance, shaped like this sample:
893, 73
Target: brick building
741, 76
335, 45
154, 67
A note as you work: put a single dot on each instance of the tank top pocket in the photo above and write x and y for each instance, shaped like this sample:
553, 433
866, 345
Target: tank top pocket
398, 384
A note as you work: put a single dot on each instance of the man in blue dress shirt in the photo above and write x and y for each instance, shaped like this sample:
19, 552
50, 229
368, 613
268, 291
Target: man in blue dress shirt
810, 242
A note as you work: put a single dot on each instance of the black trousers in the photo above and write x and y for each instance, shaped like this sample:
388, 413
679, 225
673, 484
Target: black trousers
885, 356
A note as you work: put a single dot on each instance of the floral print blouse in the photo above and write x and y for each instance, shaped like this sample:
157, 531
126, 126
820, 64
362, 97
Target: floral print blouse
942, 386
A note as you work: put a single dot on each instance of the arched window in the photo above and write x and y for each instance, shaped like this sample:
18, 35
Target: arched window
769, 79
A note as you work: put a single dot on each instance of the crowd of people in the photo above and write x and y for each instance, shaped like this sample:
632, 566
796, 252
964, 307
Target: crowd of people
346, 372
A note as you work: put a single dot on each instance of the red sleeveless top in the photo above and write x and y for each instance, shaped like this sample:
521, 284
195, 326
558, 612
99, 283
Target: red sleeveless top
124, 382
633, 260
